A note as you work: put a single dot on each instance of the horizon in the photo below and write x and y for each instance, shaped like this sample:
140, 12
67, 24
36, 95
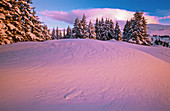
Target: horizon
56, 13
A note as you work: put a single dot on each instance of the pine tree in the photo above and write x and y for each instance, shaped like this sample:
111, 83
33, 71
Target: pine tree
76, 29
126, 31
111, 28
64, 33
84, 28
91, 31
53, 35
57, 33
144, 30
19, 23
68, 35
97, 29
102, 30
137, 30
117, 34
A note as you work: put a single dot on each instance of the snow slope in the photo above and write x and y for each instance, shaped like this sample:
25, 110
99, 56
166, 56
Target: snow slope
158, 29
84, 75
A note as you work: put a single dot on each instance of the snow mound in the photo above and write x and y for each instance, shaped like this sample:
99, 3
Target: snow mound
84, 75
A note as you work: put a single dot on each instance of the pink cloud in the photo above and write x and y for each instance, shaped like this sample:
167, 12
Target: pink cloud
166, 17
92, 14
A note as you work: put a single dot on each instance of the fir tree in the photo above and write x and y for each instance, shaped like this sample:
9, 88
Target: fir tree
126, 30
97, 29
76, 29
84, 28
102, 29
57, 33
136, 31
111, 28
64, 33
91, 31
68, 35
117, 34
60, 34
53, 35
18, 22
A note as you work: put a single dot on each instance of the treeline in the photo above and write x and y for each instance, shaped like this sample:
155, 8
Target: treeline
160, 42
18, 23
135, 30
101, 30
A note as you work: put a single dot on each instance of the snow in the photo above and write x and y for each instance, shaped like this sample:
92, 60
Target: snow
84, 75
2, 16
11, 26
158, 29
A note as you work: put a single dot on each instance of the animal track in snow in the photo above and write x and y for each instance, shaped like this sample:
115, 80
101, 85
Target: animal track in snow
72, 94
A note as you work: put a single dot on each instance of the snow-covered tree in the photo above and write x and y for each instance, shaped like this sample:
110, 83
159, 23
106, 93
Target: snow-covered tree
97, 29
64, 33
68, 35
18, 22
53, 34
91, 31
104, 29
84, 27
126, 31
80, 29
76, 29
117, 34
57, 33
111, 28
136, 30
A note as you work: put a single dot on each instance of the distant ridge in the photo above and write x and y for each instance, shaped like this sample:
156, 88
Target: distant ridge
158, 29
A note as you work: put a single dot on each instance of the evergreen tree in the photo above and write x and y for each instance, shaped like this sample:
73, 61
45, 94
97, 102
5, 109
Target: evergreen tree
136, 31
102, 30
97, 29
53, 35
64, 33
60, 34
117, 34
84, 28
126, 31
111, 28
76, 29
91, 31
68, 35
57, 33
18, 22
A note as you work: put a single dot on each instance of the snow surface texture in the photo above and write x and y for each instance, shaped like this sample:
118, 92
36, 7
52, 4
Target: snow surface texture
84, 75
157, 29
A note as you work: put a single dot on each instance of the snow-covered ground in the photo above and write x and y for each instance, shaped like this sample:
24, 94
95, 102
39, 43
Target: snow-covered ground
158, 29
84, 75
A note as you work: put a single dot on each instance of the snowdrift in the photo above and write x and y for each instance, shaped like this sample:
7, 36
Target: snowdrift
84, 75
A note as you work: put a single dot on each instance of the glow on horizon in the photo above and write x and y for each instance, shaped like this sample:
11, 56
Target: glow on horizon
119, 15
62, 13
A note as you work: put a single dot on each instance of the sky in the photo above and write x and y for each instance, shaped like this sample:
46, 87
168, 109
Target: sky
61, 13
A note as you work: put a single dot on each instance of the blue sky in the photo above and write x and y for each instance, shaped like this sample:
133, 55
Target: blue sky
157, 8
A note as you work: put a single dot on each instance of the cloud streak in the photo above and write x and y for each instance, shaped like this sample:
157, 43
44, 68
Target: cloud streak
165, 17
92, 14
